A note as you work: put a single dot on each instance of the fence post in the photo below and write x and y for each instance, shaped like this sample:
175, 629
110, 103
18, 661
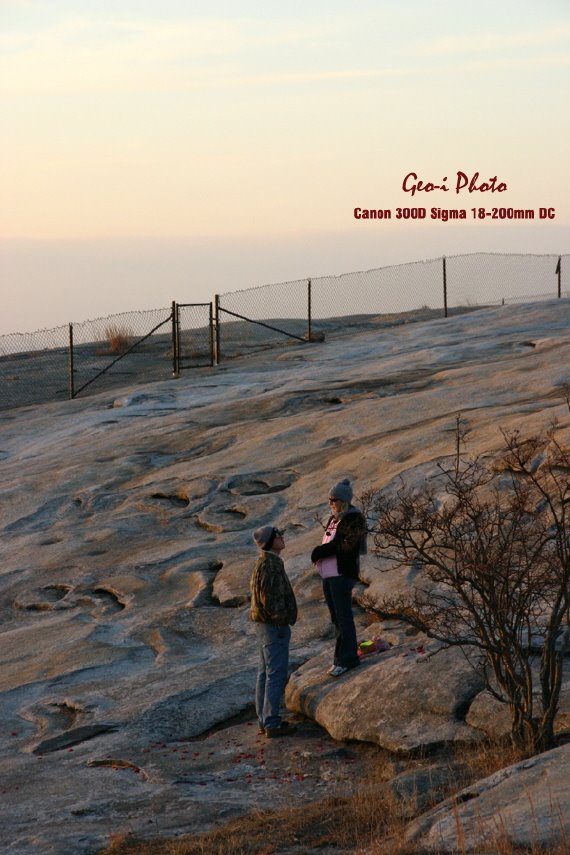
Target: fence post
211, 327
444, 287
217, 329
175, 341
559, 272
309, 310
71, 364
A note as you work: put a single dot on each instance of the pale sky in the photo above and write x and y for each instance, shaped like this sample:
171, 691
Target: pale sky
167, 149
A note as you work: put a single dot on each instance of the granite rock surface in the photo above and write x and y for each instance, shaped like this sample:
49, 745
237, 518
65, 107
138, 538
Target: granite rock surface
126, 549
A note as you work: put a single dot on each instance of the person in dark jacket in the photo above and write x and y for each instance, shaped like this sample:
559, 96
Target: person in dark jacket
338, 563
274, 610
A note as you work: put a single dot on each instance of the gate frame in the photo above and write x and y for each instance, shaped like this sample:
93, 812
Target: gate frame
219, 309
177, 367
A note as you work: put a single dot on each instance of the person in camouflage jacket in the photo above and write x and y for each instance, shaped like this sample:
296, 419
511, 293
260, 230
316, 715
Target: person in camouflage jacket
273, 609
272, 597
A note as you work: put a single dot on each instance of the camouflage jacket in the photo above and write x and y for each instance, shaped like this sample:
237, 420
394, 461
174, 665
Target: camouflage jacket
272, 597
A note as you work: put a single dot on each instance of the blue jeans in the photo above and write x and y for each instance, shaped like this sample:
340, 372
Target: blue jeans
272, 672
338, 594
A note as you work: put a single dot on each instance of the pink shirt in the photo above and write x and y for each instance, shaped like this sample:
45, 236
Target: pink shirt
327, 567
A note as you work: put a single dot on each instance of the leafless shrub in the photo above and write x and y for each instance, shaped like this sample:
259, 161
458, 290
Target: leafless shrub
494, 544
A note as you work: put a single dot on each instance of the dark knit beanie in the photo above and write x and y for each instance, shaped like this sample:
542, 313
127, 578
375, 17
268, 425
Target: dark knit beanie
342, 491
265, 536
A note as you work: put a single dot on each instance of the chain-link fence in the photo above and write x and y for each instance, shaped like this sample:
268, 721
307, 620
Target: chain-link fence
136, 347
271, 315
279, 313
132, 347
34, 367
106, 353
195, 335
487, 279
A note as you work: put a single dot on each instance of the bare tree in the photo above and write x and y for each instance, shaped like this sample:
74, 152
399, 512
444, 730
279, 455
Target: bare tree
494, 545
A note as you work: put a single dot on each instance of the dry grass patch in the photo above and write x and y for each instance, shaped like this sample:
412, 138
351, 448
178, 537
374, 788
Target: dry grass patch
315, 825
369, 821
485, 759
343, 823
118, 338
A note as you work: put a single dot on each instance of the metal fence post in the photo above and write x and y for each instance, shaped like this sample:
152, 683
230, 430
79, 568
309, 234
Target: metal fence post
559, 272
175, 341
309, 310
212, 346
217, 330
444, 287
71, 364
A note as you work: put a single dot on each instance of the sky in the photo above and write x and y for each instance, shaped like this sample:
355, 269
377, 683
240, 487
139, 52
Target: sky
153, 150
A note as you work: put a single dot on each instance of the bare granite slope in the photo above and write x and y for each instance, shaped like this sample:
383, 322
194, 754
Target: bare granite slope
126, 652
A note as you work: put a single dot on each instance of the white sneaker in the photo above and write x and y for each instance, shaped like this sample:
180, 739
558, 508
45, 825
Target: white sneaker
337, 671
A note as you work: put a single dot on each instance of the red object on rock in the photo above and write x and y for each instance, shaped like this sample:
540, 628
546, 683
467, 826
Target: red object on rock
375, 645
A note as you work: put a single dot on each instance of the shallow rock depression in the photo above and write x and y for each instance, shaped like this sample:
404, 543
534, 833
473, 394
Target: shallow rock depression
127, 660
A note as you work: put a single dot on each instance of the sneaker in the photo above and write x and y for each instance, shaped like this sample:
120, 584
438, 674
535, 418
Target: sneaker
338, 670
261, 730
284, 729
331, 669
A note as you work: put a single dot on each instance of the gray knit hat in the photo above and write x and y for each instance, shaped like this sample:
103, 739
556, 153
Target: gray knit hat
265, 536
342, 491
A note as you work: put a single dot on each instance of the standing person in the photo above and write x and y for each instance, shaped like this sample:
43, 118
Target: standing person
338, 564
274, 611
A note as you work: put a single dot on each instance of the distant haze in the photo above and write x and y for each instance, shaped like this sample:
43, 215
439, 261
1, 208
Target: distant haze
49, 283
154, 150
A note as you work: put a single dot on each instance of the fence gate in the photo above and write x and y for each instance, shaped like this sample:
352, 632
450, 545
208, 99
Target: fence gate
192, 335
255, 322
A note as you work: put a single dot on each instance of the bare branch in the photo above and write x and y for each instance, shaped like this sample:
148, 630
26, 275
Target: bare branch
492, 538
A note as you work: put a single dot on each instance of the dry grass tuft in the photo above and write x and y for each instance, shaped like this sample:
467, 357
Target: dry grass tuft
118, 338
483, 760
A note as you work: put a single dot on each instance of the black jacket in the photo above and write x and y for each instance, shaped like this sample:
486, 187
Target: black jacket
347, 544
